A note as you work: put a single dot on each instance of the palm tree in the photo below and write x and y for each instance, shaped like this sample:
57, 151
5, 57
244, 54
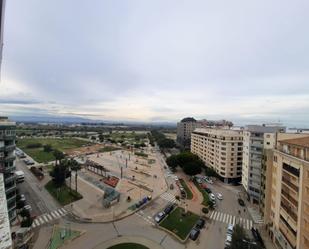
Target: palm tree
75, 166
58, 156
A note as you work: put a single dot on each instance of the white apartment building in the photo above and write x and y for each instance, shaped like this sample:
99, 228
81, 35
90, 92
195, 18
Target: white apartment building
256, 138
221, 150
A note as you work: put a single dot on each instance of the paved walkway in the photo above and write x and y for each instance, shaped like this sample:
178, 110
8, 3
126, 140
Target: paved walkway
129, 239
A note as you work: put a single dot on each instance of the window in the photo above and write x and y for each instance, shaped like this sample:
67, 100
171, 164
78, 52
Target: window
275, 158
268, 143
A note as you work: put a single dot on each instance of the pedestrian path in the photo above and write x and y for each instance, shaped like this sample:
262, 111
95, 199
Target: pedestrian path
48, 217
168, 197
256, 216
231, 219
148, 219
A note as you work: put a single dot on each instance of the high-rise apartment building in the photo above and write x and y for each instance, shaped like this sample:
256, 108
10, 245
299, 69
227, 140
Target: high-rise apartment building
287, 211
256, 138
184, 129
5, 241
7, 163
221, 150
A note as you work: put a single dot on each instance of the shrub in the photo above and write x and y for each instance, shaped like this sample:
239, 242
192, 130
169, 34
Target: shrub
205, 210
34, 145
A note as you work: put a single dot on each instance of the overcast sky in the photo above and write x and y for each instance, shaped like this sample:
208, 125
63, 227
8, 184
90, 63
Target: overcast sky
161, 60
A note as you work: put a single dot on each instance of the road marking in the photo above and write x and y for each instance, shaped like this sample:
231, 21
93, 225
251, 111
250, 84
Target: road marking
234, 220
251, 224
57, 213
41, 220
45, 218
60, 212
52, 213
224, 217
63, 210
212, 214
49, 217
221, 216
215, 216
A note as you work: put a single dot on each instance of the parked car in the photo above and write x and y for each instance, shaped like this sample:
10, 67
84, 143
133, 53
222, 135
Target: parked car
169, 209
208, 190
160, 216
27, 207
230, 229
228, 240
22, 197
241, 202
219, 196
200, 223
212, 197
194, 234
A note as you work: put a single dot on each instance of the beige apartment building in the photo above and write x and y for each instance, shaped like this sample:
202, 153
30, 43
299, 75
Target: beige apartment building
286, 192
184, 129
220, 149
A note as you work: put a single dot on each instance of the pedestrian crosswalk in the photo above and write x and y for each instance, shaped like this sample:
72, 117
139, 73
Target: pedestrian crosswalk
256, 216
169, 197
231, 219
49, 217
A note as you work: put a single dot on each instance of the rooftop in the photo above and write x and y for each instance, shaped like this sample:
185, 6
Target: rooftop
6, 121
265, 128
218, 131
303, 142
189, 119
5, 232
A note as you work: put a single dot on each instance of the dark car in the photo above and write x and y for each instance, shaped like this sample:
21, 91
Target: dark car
200, 223
169, 209
241, 202
194, 234
208, 190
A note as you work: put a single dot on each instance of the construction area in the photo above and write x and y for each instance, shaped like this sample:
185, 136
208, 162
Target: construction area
116, 183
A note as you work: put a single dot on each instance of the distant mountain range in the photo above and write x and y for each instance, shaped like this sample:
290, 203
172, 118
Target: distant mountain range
79, 120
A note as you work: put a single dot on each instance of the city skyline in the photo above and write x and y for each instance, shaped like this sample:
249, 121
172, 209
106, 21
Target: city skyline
245, 62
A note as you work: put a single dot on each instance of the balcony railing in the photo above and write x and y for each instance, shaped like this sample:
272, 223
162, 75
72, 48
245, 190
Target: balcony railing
9, 178
287, 181
10, 147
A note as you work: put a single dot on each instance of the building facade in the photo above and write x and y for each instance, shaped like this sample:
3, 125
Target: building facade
7, 163
5, 241
221, 150
184, 129
256, 138
288, 208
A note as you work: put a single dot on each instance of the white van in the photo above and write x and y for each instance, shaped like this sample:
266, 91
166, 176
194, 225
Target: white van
20, 176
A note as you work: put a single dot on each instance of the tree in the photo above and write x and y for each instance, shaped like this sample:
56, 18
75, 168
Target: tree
192, 168
20, 204
59, 174
47, 148
24, 213
58, 156
75, 166
172, 161
240, 239
101, 137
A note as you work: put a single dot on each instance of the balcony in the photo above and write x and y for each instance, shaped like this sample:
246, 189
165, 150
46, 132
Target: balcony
287, 182
6, 137
9, 169
10, 189
9, 158
9, 148
287, 234
9, 179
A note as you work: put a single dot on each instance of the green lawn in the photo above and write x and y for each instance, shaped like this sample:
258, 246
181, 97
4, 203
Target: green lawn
188, 191
128, 246
179, 224
204, 193
64, 195
57, 241
39, 155
108, 149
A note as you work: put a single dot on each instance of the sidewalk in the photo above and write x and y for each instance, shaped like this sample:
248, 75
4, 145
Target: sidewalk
43, 239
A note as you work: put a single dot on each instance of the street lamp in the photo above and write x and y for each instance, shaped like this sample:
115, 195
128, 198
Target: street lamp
249, 243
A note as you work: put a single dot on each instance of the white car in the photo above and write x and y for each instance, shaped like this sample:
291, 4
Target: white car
220, 196
228, 240
159, 217
212, 197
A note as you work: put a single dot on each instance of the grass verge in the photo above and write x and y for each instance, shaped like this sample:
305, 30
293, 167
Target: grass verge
188, 191
56, 240
204, 193
108, 149
128, 246
180, 224
63, 195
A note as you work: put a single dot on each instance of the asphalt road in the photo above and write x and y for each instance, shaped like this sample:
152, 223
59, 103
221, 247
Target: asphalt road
36, 195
